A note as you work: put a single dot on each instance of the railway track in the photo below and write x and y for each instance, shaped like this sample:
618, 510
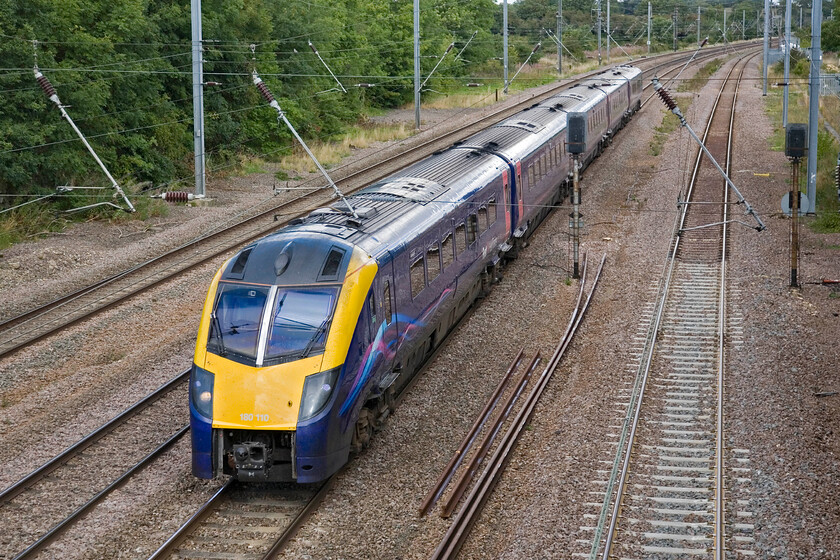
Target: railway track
455, 537
674, 487
16, 499
51, 499
244, 521
42, 321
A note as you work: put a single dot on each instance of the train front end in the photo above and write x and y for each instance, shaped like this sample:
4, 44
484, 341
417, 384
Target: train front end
269, 398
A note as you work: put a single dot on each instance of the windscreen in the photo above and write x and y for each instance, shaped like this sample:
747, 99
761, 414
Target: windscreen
300, 321
235, 323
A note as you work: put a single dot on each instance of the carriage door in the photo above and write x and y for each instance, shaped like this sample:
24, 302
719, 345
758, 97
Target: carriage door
506, 201
519, 191
386, 297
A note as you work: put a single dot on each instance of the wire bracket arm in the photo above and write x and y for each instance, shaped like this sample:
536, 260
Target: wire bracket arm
50, 92
672, 106
268, 96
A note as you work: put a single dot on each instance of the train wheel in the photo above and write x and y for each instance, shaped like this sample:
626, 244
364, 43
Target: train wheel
363, 431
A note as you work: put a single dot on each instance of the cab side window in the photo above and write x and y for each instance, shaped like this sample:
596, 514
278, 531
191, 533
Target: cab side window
386, 299
372, 308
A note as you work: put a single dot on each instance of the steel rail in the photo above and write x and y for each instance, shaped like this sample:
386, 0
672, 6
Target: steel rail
487, 442
626, 441
61, 527
456, 535
30, 479
469, 438
167, 547
639, 391
22, 340
12, 491
301, 518
194, 521
720, 512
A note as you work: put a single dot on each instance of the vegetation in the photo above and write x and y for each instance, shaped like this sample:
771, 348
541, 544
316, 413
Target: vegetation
827, 219
123, 68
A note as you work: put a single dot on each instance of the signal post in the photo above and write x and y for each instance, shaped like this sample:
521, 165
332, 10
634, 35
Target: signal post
576, 145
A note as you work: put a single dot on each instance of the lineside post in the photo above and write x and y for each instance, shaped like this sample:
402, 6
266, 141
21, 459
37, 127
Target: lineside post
576, 217
576, 137
796, 147
794, 224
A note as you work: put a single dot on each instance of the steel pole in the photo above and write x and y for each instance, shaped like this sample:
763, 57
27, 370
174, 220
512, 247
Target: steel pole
724, 26
794, 226
766, 43
608, 31
576, 219
676, 12
198, 96
505, 40
814, 103
417, 64
698, 25
785, 101
648, 40
598, 3
559, 36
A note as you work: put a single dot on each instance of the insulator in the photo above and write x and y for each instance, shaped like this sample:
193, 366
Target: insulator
311, 46
536, 48
264, 91
45, 84
703, 44
837, 175
177, 196
666, 98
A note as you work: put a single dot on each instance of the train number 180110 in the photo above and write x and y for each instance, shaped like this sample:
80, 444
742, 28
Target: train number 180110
248, 417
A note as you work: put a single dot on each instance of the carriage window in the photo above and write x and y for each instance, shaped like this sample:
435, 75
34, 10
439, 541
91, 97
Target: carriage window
492, 211
539, 171
472, 228
545, 164
482, 218
433, 261
372, 308
386, 298
446, 251
418, 277
531, 176
551, 160
460, 244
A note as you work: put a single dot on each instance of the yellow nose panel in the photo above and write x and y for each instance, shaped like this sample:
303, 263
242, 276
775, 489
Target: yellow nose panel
263, 398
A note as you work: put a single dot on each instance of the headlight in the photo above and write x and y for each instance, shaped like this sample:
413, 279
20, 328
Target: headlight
317, 389
201, 391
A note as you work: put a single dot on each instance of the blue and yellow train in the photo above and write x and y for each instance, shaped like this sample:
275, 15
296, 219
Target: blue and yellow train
307, 334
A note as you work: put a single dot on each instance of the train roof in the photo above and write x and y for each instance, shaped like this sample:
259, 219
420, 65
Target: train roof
414, 199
